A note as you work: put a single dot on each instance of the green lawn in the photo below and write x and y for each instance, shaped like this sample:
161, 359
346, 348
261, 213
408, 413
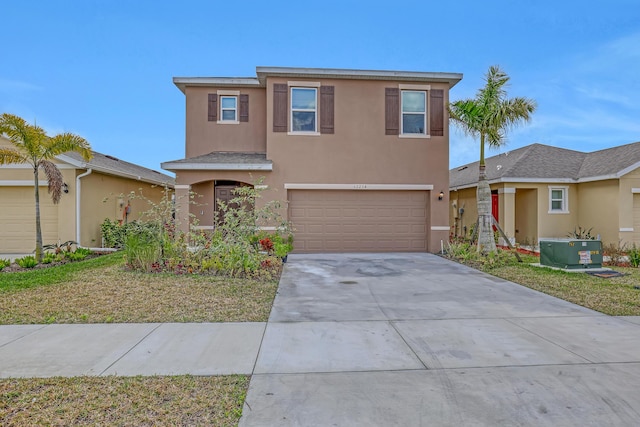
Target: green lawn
99, 290
616, 296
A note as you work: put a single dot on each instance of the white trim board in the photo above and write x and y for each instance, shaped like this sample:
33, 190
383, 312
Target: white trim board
386, 187
22, 183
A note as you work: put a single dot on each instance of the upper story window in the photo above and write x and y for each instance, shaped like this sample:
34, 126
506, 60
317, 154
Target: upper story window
304, 111
414, 112
558, 200
228, 108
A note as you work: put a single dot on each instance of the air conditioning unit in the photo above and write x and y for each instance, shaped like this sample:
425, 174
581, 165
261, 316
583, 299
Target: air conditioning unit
571, 254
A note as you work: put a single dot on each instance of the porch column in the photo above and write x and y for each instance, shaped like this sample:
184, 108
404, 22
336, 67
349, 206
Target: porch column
507, 202
182, 207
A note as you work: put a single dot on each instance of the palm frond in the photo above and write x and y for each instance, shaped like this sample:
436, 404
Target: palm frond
67, 142
55, 178
11, 156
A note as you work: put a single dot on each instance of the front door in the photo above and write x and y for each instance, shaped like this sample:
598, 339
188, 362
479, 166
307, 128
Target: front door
495, 207
223, 193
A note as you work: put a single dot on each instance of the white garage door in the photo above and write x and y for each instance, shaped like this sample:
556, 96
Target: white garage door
359, 221
18, 219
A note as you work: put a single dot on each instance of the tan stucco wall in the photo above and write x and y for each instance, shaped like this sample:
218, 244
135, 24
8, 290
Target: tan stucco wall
359, 152
203, 136
100, 199
628, 216
465, 199
598, 205
526, 221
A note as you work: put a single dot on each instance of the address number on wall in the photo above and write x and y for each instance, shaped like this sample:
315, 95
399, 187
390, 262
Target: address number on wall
359, 186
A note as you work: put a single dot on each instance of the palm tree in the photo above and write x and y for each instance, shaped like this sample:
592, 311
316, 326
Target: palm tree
33, 146
489, 115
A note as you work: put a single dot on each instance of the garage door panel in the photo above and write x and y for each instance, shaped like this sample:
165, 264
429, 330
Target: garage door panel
18, 220
369, 221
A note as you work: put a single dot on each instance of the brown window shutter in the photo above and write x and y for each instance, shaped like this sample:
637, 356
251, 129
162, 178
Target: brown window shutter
326, 109
392, 111
213, 107
436, 115
280, 107
244, 108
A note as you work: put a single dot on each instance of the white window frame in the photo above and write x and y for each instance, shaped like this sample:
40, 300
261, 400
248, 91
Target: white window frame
415, 88
224, 93
235, 110
564, 200
303, 85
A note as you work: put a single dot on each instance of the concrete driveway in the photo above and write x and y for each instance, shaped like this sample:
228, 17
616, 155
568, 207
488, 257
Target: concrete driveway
416, 340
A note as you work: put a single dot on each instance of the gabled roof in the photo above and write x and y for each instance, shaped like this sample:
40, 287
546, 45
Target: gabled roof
113, 166
317, 73
222, 160
543, 163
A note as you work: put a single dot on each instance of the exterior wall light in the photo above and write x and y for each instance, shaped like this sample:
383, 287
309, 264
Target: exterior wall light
65, 188
441, 195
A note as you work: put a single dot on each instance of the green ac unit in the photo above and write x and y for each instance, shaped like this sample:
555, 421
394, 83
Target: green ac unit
571, 254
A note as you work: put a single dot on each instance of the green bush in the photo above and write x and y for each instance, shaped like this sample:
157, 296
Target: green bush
48, 258
27, 262
75, 256
4, 263
581, 233
634, 256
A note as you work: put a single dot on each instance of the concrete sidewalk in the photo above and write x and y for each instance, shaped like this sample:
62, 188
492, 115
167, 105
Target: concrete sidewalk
413, 340
129, 349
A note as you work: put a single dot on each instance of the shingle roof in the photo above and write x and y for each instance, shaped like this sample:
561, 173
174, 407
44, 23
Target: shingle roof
114, 166
546, 163
222, 160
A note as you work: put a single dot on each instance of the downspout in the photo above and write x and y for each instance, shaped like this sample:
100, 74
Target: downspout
88, 172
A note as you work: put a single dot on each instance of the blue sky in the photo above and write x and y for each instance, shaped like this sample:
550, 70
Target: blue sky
103, 69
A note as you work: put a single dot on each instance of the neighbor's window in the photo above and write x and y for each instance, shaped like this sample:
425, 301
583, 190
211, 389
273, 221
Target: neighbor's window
304, 109
558, 200
228, 108
414, 112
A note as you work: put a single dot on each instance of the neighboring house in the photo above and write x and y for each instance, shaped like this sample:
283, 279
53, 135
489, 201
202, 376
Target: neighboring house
359, 157
82, 208
540, 191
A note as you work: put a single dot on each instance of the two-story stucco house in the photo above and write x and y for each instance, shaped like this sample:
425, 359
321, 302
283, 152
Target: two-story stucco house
359, 157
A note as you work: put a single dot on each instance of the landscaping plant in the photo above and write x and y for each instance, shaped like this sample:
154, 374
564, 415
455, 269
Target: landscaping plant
27, 262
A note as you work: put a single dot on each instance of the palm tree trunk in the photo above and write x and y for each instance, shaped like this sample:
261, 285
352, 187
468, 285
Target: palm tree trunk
38, 227
486, 241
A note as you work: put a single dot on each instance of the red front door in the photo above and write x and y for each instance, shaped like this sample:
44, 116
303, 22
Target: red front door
495, 206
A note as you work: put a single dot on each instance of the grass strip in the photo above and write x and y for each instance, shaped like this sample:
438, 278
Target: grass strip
139, 401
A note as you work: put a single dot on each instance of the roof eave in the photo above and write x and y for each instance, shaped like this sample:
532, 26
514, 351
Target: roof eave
336, 73
183, 82
114, 172
174, 166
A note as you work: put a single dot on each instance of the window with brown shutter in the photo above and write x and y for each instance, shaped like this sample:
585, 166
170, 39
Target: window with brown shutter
392, 111
244, 108
437, 112
280, 107
326, 109
213, 107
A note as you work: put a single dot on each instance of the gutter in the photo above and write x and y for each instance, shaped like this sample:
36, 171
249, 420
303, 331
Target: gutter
88, 172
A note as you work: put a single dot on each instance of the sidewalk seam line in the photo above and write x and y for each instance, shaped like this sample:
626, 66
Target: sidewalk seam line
129, 351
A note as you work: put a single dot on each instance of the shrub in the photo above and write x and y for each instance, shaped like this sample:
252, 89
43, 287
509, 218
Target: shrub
27, 262
59, 247
634, 256
48, 258
4, 263
581, 233
75, 256
615, 253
